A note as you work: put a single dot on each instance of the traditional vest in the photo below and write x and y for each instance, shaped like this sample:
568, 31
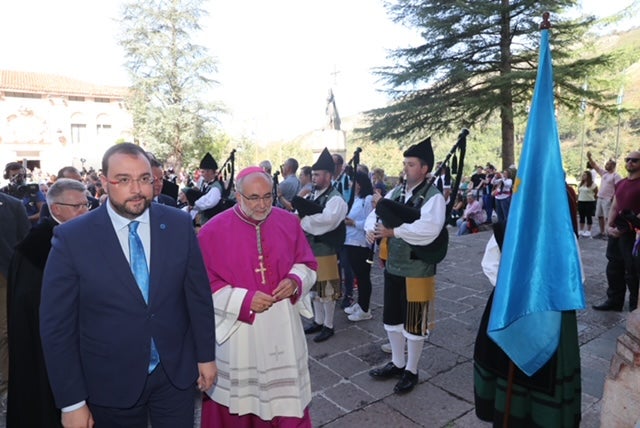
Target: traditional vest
208, 214
401, 261
327, 244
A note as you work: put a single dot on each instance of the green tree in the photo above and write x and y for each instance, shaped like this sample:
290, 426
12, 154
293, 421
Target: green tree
169, 74
477, 63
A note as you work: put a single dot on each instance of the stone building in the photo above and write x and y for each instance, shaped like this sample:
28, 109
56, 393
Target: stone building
49, 121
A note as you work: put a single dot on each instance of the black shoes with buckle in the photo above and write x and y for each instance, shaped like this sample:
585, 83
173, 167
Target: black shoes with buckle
325, 333
406, 383
407, 379
387, 372
313, 328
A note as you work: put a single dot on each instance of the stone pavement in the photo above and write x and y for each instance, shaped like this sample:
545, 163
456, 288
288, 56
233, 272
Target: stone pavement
344, 395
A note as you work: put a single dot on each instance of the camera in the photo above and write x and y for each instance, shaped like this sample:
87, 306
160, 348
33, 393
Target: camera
28, 190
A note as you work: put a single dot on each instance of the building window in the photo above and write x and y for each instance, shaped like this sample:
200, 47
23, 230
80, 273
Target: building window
103, 129
101, 100
21, 95
78, 133
75, 98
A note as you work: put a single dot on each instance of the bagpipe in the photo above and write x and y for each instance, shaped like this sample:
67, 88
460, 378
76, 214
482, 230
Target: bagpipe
351, 169
275, 187
227, 198
393, 214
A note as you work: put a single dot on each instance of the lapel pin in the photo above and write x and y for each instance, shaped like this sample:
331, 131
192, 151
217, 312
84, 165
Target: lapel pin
163, 226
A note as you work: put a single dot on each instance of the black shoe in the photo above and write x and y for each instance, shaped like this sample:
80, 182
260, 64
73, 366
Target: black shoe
313, 328
387, 372
406, 384
324, 334
608, 306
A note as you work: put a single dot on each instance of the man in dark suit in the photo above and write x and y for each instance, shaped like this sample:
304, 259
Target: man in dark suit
158, 184
126, 339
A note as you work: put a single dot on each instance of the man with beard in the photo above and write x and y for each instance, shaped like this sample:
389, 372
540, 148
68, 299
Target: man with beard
126, 339
622, 263
259, 265
30, 401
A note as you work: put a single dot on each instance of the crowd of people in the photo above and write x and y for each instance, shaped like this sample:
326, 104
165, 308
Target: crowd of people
125, 341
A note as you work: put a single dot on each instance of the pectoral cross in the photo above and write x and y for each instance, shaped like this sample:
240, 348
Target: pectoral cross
276, 353
261, 269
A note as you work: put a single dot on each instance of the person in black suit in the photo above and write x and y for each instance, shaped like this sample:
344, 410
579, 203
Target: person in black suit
158, 183
30, 401
126, 340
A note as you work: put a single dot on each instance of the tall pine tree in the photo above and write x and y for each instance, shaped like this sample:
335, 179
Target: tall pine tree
169, 73
478, 62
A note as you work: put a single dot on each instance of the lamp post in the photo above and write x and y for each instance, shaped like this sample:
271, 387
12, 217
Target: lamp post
620, 96
583, 109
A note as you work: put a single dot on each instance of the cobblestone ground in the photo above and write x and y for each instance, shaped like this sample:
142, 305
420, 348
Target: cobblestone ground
344, 395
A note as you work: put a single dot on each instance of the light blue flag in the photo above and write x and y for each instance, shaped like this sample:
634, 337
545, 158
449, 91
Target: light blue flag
540, 272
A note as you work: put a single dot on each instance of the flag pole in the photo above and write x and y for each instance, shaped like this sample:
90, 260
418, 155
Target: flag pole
544, 25
507, 406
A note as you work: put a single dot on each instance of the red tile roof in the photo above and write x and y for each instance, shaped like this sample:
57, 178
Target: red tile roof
43, 83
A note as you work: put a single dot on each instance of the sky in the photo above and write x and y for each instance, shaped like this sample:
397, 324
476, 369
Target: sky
277, 59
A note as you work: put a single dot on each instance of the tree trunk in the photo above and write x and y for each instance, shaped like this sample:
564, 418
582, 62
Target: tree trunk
506, 96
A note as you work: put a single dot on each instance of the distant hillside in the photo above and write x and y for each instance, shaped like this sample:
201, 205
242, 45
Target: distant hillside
628, 43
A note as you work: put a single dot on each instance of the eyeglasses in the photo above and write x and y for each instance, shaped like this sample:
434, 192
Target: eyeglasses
147, 180
86, 205
255, 198
632, 160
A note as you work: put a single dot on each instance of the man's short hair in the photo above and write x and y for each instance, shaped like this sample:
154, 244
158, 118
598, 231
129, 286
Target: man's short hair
67, 170
266, 165
292, 164
62, 185
124, 148
306, 170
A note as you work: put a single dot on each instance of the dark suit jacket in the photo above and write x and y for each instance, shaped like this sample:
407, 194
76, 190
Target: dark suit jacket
167, 200
96, 327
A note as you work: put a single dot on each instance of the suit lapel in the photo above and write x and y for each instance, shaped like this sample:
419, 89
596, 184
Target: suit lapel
113, 256
158, 231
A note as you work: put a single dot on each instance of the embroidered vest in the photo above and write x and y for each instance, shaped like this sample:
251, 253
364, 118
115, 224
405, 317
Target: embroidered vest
402, 258
328, 243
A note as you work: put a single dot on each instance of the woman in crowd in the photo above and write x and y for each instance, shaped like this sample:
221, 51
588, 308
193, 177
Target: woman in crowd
378, 181
473, 216
502, 184
357, 247
587, 193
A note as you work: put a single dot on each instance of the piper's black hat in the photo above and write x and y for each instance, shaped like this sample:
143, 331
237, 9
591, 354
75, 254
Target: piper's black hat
324, 162
422, 150
208, 162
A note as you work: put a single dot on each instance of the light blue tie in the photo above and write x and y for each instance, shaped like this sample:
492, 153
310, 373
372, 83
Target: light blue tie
140, 271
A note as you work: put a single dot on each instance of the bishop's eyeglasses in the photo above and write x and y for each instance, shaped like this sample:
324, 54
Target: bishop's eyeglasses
254, 199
